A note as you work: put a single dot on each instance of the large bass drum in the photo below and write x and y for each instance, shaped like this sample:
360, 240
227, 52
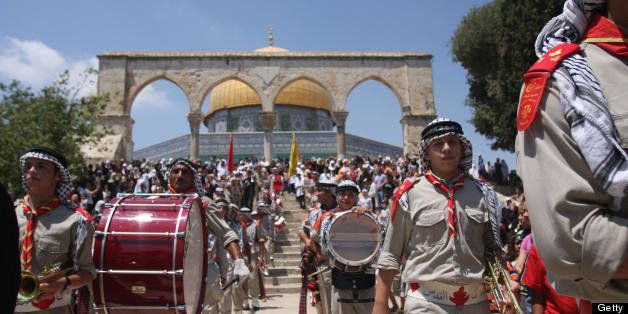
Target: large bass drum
353, 241
150, 255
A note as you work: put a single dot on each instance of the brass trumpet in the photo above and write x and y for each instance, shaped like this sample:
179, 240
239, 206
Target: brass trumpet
29, 284
497, 272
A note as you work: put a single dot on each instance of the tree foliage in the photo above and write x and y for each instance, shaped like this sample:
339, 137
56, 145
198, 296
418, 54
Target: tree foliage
495, 44
53, 117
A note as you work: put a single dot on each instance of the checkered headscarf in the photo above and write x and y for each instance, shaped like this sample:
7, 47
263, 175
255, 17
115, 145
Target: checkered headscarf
441, 127
198, 185
64, 187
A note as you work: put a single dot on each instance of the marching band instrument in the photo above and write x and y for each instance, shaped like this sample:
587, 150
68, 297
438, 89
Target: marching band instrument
29, 282
497, 273
353, 241
150, 254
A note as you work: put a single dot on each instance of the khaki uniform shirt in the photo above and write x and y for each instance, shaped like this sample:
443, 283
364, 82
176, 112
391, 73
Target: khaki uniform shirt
421, 234
54, 242
219, 226
581, 242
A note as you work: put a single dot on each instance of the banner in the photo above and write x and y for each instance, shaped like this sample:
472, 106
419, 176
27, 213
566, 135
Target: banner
294, 156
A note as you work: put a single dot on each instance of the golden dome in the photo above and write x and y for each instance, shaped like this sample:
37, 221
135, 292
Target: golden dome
232, 94
303, 93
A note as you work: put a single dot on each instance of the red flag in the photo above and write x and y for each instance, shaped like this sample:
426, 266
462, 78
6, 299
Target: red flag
230, 163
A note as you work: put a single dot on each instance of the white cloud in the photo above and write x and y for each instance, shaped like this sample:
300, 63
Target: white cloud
151, 97
35, 64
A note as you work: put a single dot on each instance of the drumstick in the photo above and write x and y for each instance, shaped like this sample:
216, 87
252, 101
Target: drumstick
324, 269
231, 282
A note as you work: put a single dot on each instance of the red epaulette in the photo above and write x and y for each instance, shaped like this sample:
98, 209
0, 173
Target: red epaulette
536, 81
84, 213
405, 186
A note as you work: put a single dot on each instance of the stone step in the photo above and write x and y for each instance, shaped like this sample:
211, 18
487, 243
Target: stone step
287, 249
279, 256
281, 280
287, 240
287, 262
285, 288
284, 271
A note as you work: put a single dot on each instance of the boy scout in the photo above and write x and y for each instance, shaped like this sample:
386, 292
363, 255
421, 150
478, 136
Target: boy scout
440, 222
53, 233
350, 292
326, 192
571, 149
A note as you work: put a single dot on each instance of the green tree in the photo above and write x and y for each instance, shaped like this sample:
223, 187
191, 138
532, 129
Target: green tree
53, 117
495, 44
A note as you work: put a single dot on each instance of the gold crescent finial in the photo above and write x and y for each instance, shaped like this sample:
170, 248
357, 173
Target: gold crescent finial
270, 36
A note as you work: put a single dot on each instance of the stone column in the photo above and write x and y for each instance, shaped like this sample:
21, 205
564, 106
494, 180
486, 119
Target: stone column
194, 118
339, 118
412, 126
267, 119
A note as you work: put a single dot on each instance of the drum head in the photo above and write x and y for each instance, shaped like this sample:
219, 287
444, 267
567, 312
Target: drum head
354, 239
193, 259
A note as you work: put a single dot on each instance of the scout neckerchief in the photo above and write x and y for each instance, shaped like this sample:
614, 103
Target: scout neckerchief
31, 215
451, 204
606, 35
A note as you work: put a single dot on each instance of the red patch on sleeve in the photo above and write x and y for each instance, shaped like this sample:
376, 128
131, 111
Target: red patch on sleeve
536, 80
531, 98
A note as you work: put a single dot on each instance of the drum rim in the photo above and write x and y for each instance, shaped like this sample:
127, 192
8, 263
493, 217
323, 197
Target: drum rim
334, 254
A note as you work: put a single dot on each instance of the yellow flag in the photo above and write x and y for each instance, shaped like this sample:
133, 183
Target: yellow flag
294, 156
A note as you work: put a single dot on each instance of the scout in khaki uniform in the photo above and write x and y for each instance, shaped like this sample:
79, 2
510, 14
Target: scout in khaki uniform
350, 292
440, 222
254, 238
571, 149
184, 179
326, 192
53, 233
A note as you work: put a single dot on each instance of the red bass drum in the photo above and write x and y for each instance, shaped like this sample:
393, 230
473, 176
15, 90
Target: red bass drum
150, 255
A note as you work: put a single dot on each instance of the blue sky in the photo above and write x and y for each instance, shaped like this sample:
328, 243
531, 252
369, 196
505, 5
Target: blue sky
39, 39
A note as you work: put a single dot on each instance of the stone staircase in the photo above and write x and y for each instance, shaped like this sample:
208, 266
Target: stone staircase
285, 276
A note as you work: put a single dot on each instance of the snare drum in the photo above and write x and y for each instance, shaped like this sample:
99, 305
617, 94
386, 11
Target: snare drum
353, 241
150, 254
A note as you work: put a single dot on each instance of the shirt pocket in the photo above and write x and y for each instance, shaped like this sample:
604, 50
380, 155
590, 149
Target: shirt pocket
474, 228
430, 228
51, 251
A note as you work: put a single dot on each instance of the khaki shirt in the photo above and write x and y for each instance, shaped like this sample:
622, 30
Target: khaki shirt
54, 242
219, 226
421, 234
581, 242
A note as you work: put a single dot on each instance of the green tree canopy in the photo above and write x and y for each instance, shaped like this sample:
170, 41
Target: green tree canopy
53, 117
495, 44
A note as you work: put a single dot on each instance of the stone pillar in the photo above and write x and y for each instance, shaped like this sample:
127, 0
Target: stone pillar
194, 118
412, 126
339, 118
267, 119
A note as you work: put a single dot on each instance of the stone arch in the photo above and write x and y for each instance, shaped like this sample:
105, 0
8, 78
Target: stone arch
136, 89
124, 74
376, 78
